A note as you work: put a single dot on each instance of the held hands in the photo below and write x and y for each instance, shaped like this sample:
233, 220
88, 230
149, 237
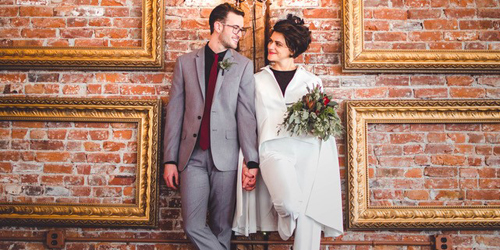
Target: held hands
171, 176
249, 177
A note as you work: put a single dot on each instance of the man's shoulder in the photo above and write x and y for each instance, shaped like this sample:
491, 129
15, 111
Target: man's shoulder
239, 57
188, 55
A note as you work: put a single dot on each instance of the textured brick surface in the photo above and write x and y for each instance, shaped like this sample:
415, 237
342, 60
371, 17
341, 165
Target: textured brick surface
186, 28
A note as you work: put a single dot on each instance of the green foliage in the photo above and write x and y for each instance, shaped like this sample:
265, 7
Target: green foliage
313, 114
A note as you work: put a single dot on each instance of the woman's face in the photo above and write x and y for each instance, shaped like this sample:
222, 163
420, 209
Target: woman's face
277, 49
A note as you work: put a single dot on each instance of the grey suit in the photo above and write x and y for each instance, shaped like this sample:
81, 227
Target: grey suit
208, 178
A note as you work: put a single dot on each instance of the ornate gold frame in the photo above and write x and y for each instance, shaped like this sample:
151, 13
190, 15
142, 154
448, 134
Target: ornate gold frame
358, 59
145, 113
363, 216
149, 56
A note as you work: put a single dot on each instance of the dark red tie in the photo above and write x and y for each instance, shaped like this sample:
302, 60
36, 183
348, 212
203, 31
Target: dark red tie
205, 122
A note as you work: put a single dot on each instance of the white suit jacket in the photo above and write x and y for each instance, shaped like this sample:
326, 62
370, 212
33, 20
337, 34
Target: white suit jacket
254, 211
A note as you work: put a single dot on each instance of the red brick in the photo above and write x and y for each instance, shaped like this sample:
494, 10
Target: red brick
413, 173
52, 180
448, 160
467, 92
486, 3
489, 13
103, 157
427, 80
450, 195
431, 93
78, 135
128, 23
379, 92
48, 22
58, 168
440, 172
28, 124
117, 12
77, 33
322, 13
91, 146
137, 90
460, 13
77, 22
483, 195
477, 24
390, 14
396, 161
38, 134
125, 43
107, 192
122, 180
400, 93
492, 36
130, 158
8, 11
113, 146
441, 183
36, 11
99, 135
38, 33
445, 45
111, 33
52, 157
459, 80
80, 191
46, 145
457, 137
417, 194
426, 36
113, 3
5, 167
424, 13
462, 3
438, 148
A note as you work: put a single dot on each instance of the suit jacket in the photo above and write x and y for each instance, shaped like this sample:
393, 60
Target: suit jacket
254, 209
232, 116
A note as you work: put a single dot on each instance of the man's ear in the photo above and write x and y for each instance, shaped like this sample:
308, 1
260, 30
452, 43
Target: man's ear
218, 27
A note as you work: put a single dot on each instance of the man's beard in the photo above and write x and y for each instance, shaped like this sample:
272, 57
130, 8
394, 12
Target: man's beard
227, 43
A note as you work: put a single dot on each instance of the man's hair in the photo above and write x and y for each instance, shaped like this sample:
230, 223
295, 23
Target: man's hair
297, 35
220, 12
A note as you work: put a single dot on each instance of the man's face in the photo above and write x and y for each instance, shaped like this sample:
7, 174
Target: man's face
231, 25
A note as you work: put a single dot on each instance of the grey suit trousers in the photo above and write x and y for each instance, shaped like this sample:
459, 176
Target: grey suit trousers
204, 187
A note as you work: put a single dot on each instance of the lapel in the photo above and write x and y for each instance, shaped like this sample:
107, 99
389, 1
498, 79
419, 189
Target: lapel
221, 74
200, 70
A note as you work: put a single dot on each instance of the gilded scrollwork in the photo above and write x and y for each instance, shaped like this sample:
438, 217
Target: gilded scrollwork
356, 58
148, 56
363, 215
144, 113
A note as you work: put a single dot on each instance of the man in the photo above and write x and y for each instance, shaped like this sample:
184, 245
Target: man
210, 116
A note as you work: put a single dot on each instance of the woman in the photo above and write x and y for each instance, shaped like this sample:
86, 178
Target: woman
301, 173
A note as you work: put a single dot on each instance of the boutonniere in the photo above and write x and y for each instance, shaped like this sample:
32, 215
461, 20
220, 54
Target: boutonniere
225, 65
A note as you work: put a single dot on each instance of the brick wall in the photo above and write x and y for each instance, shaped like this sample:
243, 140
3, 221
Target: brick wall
186, 29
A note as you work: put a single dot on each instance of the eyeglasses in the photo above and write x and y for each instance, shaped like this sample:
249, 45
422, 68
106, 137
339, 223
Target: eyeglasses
236, 29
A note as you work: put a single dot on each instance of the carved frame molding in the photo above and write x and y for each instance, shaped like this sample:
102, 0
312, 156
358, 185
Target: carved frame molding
361, 215
358, 59
145, 113
148, 57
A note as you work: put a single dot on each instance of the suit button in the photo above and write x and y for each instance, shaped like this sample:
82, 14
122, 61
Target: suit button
199, 117
194, 135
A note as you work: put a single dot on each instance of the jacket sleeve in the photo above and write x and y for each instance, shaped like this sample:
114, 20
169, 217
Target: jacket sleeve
174, 116
247, 124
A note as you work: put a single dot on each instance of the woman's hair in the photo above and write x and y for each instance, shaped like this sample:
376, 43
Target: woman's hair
297, 36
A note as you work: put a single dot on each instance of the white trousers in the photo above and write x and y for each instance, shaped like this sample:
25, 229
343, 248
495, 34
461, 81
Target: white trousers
288, 166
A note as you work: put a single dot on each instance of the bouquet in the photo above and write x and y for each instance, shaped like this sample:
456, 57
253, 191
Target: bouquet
313, 114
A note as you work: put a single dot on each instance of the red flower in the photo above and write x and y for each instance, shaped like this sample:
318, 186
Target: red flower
326, 100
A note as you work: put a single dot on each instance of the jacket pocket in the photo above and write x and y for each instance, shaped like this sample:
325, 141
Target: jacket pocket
231, 134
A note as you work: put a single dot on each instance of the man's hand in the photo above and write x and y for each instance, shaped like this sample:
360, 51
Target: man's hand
171, 176
249, 178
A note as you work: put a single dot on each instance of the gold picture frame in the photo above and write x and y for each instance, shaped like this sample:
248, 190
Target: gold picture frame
356, 58
149, 56
145, 114
361, 214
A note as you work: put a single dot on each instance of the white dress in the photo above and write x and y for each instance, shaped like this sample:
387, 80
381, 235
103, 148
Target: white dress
317, 170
